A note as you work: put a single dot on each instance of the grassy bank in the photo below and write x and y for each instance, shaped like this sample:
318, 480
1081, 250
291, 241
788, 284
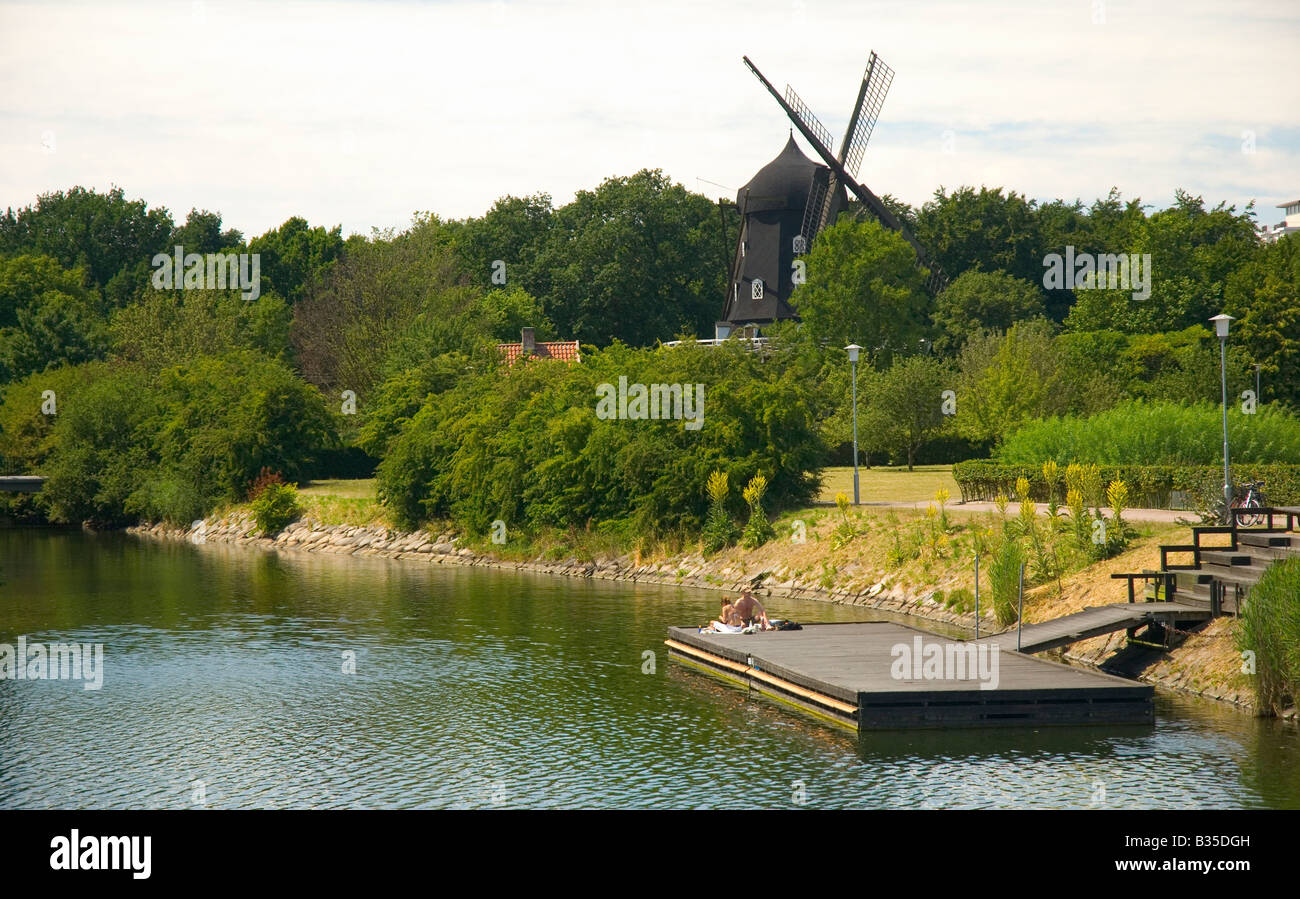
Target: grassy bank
344, 502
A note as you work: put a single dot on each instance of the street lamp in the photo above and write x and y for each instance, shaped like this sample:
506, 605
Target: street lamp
1221, 322
1257, 368
854, 349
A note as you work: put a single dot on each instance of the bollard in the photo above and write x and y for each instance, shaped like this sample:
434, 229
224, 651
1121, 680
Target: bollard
1020, 615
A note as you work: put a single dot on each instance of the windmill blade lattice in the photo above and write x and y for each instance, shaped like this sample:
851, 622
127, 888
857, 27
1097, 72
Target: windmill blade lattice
806, 116
875, 85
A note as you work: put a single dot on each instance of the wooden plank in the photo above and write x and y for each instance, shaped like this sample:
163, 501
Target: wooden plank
1091, 622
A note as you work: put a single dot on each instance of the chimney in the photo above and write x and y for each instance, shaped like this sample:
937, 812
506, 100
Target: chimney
526, 338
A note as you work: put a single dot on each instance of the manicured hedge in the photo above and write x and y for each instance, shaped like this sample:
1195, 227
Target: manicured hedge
1150, 486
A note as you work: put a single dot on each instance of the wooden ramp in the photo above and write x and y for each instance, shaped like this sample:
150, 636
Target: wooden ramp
1093, 622
850, 673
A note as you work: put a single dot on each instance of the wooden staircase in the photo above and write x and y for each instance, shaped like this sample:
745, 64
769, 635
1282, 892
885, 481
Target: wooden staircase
1220, 575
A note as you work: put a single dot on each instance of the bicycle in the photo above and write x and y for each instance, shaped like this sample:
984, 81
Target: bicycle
1253, 499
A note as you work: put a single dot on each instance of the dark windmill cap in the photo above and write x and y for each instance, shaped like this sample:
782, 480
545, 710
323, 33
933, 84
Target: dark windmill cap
782, 183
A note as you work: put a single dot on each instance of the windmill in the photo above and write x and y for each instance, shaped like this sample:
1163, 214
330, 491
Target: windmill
793, 198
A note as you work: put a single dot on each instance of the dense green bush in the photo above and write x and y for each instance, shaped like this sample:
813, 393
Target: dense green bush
127, 444
274, 507
1271, 630
1135, 433
526, 446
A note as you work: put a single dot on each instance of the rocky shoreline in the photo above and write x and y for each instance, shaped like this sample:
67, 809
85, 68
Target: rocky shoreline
691, 570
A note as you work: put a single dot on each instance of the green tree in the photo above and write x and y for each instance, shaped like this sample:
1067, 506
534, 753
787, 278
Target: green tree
1006, 379
1264, 295
905, 406
391, 289
514, 232
1192, 252
202, 233
167, 327
103, 234
48, 318
294, 253
988, 301
863, 287
100, 453
985, 230
639, 259
1095, 370
524, 444
218, 422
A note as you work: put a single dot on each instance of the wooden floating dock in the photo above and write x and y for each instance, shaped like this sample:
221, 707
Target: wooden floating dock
845, 673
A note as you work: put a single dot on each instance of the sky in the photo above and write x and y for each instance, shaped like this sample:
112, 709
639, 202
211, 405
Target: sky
362, 114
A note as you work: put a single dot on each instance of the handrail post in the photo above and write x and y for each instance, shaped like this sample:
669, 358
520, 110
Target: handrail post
1020, 615
977, 596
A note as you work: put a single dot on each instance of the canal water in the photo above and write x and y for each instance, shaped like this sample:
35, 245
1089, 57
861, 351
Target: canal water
224, 686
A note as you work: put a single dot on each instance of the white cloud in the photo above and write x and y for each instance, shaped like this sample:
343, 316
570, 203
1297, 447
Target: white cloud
362, 113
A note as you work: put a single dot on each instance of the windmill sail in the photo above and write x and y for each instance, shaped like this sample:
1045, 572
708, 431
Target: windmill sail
871, 97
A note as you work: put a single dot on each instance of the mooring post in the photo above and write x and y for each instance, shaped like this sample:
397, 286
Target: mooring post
1020, 615
977, 596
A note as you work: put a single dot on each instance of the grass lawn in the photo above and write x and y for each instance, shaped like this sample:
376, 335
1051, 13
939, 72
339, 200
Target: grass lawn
350, 502
878, 484
883, 484
360, 488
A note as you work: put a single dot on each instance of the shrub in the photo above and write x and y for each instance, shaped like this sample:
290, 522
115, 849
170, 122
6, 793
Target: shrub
265, 478
1271, 629
128, 444
275, 506
960, 600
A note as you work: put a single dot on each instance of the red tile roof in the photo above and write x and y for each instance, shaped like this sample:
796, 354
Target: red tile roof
563, 350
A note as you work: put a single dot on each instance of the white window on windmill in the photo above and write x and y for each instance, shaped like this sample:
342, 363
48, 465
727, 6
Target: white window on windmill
756, 289
800, 245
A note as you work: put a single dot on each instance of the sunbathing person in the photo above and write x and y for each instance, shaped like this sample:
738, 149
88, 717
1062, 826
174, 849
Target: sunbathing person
751, 611
728, 620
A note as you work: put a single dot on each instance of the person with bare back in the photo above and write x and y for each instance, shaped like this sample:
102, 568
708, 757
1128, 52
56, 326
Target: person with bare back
728, 621
751, 611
